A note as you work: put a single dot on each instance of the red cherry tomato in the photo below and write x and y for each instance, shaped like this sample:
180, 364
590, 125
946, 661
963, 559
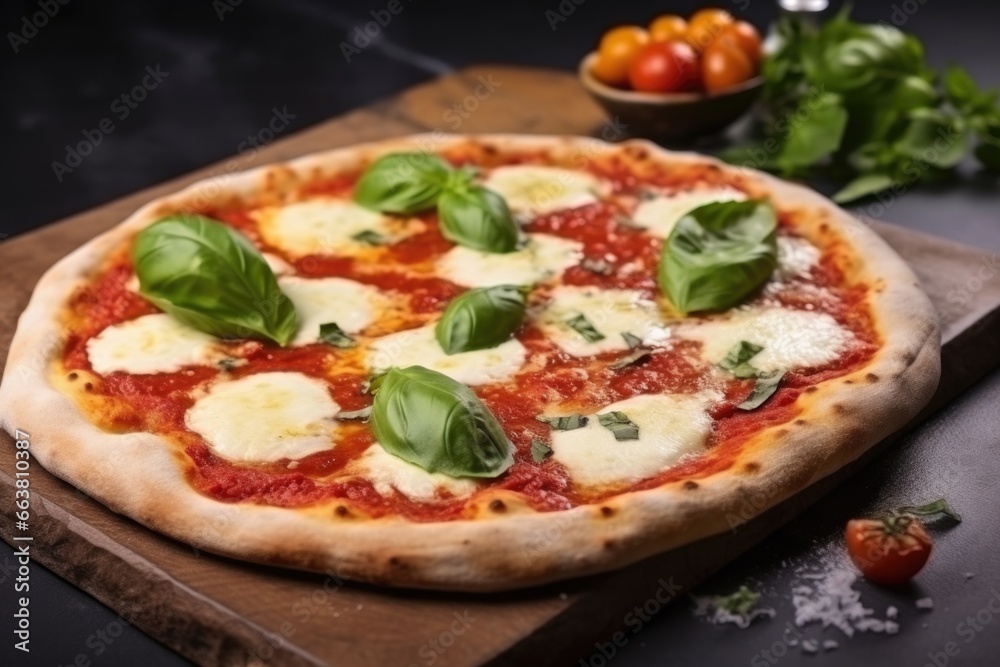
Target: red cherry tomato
889, 551
664, 67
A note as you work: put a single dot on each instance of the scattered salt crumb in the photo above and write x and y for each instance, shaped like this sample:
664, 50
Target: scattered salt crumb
968, 575
925, 603
829, 598
830, 644
891, 613
563, 596
810, 646
891, 628
793, 642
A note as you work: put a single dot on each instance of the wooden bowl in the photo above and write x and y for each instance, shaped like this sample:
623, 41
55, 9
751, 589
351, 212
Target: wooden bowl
677, 116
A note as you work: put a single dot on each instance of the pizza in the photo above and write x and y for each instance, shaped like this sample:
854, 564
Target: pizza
468, 362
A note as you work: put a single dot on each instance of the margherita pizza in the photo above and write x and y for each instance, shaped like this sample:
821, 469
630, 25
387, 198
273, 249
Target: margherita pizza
470, 363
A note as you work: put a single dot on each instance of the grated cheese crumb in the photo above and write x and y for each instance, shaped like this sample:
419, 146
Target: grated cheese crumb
810, 646
830, 644
925, 604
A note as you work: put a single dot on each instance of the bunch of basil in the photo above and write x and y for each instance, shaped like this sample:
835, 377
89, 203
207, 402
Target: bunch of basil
469, 214
857, 103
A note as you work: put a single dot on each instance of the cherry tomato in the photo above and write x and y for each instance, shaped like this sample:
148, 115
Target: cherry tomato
724, 65
664, 67
667, 28
889, 551
618, 48
745, 37
705, 25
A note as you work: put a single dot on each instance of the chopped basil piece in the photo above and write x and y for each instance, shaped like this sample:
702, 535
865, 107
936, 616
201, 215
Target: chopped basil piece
227, 364
741, 602
634, 357
598, 266
620, 425
736, 361
567, 423
765, 386
369, 237
332, 334
631, 340
539, 450
582, 326
363, 414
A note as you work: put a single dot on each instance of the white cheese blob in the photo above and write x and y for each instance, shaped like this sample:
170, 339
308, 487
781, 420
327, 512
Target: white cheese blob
419, 347
533, 190
279, 267
326, 226
612, 312
790, 338
388, 473
670, 426
796, 257
151, 344
266, 417
544, 256
660, 213
350, 305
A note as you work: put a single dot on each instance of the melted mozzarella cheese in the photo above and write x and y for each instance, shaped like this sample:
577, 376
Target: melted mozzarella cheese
533, 190
796, 257
543, 257
670, 426
279, 267
612, 312
660, 213
350, 305
389, 473
326, 226
420, 347
790, 338
151, 344
266, 417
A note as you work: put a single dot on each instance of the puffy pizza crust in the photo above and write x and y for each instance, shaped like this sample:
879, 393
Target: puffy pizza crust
507, 545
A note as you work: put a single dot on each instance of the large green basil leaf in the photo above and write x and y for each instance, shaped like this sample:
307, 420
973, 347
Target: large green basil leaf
402, 183
478, 218
434, 422
481, 318
719, 254
210, 277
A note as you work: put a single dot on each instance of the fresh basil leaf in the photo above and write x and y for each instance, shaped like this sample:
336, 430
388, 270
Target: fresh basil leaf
934, 137
631, 340
582, 326
369, 237
540, 450
741, 353
862, 186
432, 421
402, 183
481, 318
633, 357
719, 254
364, 414
331, 333
763, 389
210, 277
620, 425
912, 92
817, 136
477, 218
565, 423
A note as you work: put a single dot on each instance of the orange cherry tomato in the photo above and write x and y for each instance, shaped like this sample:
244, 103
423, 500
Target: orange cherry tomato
746, 38
664, 67
889, 551
724, 65
618, 48
705, 25
667, 28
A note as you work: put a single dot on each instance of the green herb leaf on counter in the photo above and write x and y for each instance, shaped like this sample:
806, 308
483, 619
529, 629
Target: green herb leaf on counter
210, 277
741, 602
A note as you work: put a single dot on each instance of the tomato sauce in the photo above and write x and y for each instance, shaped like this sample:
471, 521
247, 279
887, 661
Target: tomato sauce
619, 256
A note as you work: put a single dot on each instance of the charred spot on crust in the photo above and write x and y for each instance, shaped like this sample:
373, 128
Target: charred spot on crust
89, 386
839, 408
395, 561
824, 228
690, 485
609, 544
72, 376
638, 152
871, 377
751, 467
848, 381
909, 358
607, 511
341, 511
489, 149
800, 422
498, 506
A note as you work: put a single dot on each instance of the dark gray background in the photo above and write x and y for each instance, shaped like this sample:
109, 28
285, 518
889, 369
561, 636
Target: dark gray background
225, 76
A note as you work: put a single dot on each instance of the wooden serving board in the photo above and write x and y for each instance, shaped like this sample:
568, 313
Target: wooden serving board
217, 611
